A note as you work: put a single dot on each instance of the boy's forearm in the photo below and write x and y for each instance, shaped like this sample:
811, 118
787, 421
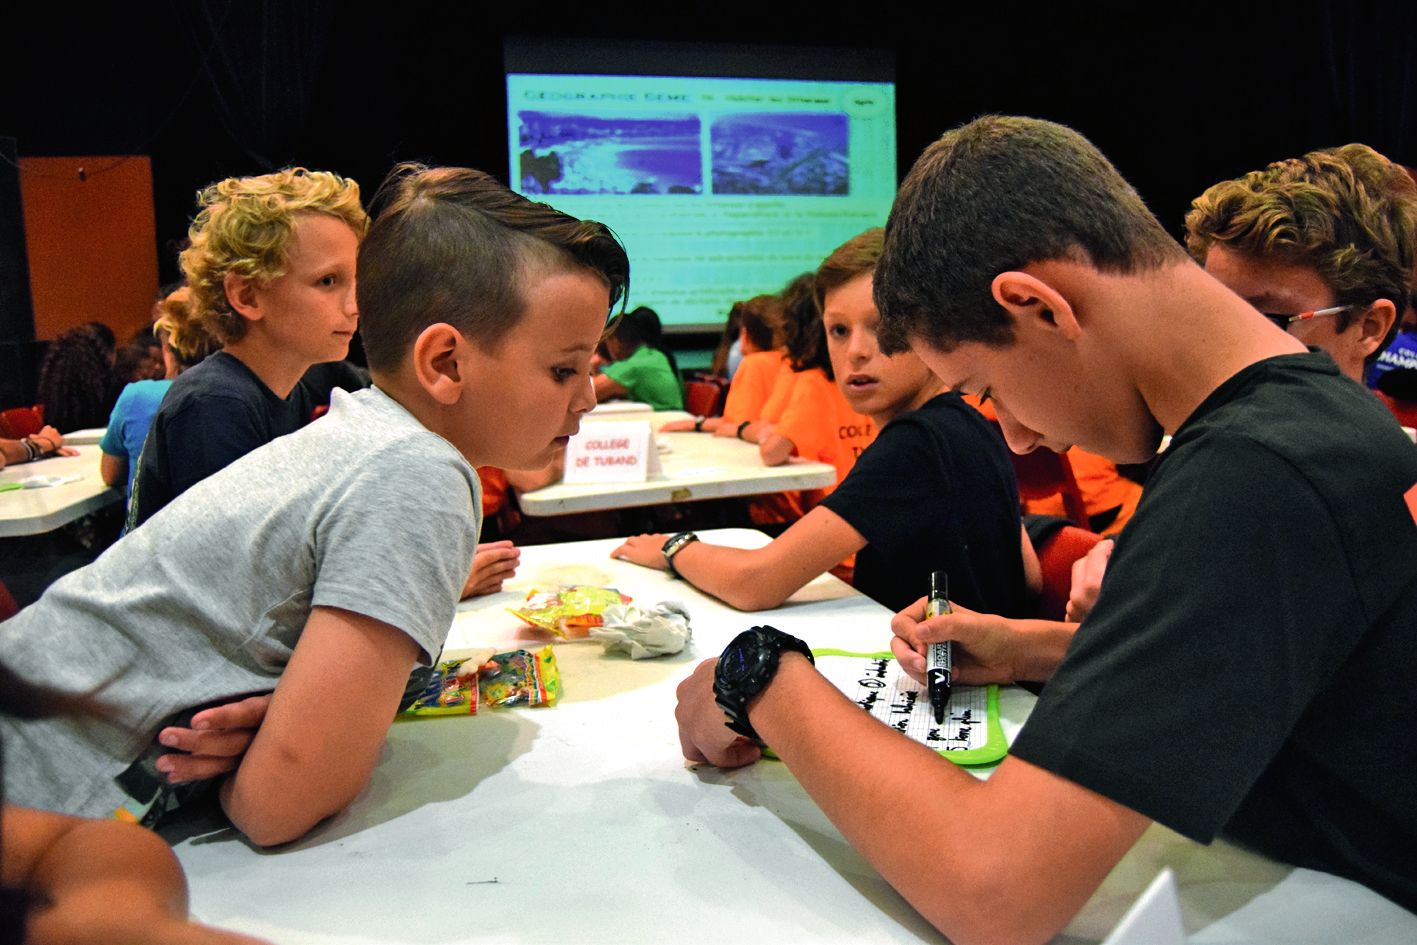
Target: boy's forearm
326, 725
969, 855
893, 799
730, 575
762, 578
1045, 644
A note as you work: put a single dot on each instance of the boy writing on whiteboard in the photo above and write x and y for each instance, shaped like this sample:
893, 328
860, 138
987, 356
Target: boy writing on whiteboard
1254, 649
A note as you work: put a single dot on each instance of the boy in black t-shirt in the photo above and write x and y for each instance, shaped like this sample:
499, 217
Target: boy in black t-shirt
933, 492
1251, 663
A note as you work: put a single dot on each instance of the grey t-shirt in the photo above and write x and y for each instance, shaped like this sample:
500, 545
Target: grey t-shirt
364, 510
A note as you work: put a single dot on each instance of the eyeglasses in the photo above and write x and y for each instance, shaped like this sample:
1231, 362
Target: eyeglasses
1284, 321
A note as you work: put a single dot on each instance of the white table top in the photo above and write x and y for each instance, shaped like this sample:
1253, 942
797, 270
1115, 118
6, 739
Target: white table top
88, 437
617, 409
582, 822
696, 466
36, 511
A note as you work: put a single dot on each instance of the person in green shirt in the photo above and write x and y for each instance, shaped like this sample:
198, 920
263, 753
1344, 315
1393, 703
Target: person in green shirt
641, 370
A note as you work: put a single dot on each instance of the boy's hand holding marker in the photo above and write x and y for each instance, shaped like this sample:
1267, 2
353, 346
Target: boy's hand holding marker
988, 648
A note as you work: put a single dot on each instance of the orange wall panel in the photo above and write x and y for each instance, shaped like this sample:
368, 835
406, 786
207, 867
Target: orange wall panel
91, 241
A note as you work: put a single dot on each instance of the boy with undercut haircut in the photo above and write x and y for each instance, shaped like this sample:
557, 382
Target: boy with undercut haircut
1251, 663
328, 563
1323, 244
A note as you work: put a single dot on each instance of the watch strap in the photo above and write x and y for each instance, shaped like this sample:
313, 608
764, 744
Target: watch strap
673, 546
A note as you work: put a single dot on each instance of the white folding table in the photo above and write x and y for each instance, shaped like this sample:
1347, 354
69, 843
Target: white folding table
583, 823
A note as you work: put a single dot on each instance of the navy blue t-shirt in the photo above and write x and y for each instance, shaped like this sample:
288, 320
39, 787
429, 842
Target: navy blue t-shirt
214, 414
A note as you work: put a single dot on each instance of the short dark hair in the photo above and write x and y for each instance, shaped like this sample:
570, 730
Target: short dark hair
992, 196
452, 244
856, 257
642, 326
639, 326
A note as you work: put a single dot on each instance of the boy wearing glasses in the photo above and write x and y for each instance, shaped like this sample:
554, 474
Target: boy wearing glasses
1322, 244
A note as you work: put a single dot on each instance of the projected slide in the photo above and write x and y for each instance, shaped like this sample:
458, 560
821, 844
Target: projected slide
721, 189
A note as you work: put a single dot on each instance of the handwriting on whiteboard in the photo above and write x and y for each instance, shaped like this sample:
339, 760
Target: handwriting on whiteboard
892, 697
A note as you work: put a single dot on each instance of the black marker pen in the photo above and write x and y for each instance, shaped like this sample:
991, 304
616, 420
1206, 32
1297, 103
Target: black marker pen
939, 660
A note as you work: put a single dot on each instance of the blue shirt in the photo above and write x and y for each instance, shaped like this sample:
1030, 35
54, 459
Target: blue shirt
1400, 355
128, 426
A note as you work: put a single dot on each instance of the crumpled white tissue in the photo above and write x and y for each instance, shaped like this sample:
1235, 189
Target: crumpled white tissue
661, 630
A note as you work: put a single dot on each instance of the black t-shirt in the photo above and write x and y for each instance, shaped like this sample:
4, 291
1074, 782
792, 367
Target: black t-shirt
217, 412
936, 492
1250, 666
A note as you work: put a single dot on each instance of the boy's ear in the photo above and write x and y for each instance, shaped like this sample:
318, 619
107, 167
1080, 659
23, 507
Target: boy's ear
1030, 299
241, 293
1374, 322
436, 362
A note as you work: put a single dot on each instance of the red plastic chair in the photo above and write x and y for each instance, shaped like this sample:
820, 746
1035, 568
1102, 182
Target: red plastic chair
704, 397
1404, 410
20, 422
8, 607
1056, 556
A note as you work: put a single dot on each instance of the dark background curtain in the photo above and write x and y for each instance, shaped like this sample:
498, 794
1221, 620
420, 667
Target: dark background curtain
215, 87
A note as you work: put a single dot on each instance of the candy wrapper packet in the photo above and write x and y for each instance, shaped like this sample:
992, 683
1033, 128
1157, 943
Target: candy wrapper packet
518, 677
569, 612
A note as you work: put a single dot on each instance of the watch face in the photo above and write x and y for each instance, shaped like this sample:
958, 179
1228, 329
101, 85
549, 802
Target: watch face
741, 662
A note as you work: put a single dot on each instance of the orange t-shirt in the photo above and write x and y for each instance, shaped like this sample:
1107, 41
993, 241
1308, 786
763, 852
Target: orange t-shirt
1103, 488
822, 426
810, 411
752, 385
494, 490
782, 386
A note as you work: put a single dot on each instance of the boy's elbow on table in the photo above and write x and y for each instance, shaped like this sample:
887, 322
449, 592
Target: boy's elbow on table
748, 596
988, 908
742, 578
269, 815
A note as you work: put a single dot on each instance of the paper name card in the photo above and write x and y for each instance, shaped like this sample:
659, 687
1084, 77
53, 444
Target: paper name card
612, 451
970, 733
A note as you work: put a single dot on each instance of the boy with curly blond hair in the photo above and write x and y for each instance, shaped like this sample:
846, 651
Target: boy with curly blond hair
271, 271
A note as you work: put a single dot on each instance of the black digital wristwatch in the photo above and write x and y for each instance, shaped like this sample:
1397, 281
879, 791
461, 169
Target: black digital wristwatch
746, 667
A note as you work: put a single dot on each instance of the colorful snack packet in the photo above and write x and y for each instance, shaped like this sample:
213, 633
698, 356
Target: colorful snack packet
569, 612
449, 691
517, 677
522, 678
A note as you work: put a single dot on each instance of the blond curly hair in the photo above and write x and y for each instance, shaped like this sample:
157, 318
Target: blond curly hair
245, 226
1347, 212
